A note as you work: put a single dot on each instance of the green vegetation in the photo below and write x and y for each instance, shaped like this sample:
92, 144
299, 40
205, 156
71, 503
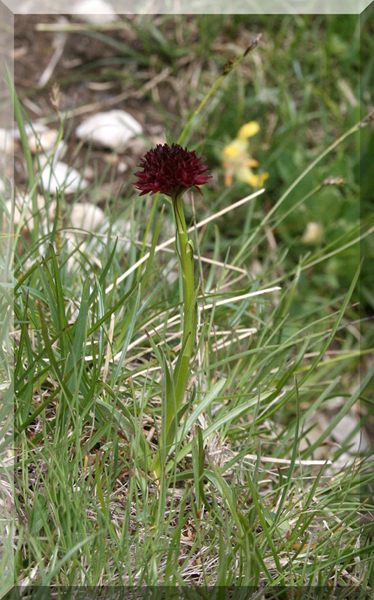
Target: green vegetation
260, 492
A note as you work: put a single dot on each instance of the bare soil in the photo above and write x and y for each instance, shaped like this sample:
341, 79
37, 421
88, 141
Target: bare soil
88, 73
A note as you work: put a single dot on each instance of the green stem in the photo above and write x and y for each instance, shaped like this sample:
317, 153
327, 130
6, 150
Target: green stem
175, 393
189, 310
186, 259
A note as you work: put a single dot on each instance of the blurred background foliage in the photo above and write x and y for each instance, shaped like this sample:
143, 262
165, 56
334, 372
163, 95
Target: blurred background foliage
308, 82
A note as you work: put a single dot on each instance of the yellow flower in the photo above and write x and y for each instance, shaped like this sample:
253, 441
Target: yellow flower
248, 130
236, 160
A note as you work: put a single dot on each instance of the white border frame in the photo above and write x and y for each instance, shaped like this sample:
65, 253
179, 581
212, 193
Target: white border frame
9, 8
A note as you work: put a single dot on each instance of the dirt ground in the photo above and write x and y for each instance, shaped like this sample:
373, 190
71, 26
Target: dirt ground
87, 85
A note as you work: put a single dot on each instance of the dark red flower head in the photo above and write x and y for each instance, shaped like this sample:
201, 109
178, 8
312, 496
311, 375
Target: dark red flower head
171, 171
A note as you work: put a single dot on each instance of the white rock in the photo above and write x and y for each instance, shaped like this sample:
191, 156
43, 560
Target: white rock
44, 141
313, 234
58, 153
31, 129
89, 218
6, 141
112, 129
359, 442
23, 210
86, 216
60, 176
95, 11
122, 167
81, 216
88, 172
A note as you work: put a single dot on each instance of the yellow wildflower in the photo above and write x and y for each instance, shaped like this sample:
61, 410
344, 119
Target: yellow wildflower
236, 160
248, 130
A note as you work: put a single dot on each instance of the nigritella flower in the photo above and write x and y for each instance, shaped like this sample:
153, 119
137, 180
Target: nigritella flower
171, 170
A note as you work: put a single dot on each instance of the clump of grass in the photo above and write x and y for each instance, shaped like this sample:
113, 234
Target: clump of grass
256, 494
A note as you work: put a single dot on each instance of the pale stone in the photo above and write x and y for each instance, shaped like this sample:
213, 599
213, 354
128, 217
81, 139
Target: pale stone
59, 176
44, 141
23, 209
313, 234
30, 130
81, 215
112, 129
359, 442
95, 11
86, 216
122, 167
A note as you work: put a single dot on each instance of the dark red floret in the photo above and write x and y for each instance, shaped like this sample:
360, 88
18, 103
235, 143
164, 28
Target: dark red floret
171, 171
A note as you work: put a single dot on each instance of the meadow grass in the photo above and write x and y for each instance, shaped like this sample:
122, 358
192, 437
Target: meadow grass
257, 491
